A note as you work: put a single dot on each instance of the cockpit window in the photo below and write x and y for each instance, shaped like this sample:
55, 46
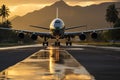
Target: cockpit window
57, 21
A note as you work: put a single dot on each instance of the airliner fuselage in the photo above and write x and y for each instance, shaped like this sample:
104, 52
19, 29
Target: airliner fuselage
57, 28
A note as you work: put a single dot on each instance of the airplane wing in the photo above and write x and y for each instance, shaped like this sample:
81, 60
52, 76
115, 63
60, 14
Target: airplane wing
88, 31
47, 34
75, 27
39, 27
12, 29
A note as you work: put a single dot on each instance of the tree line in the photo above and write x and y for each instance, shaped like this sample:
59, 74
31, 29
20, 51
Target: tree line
4, 13
114, 21
7, 36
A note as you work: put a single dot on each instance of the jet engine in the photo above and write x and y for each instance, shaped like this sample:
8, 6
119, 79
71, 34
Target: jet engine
34, 37
21, 35
82, 37
94, 35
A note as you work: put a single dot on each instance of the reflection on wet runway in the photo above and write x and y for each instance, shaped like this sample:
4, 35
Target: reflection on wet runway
48, 64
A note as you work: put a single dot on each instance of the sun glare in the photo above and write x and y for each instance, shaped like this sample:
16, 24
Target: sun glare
88, 3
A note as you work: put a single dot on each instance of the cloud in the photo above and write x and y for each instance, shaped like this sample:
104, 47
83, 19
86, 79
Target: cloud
88, 2
18, 2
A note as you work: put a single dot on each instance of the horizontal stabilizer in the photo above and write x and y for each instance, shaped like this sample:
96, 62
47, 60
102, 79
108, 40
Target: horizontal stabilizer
39, 27
75, 27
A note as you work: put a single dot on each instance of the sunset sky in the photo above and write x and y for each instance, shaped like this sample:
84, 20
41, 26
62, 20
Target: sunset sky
21, 7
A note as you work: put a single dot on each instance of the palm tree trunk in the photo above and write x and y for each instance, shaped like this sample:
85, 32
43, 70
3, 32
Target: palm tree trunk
2, 20
111, 25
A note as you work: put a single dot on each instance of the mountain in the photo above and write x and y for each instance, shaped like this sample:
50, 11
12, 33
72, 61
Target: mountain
13, 17
93, 16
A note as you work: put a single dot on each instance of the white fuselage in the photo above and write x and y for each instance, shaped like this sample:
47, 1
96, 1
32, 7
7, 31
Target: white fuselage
57, 27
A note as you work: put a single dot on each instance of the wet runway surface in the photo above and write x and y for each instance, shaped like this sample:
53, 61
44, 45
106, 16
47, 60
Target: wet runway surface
103, 63
48, 64
12, 56
66, 63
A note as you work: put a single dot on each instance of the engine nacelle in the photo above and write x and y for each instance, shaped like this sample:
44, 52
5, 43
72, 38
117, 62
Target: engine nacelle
82, 37
21, 35
34, 37
94, 35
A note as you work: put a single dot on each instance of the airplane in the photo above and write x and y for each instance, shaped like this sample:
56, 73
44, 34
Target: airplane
57, 31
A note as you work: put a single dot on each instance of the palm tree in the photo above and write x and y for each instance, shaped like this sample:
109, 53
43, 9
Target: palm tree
111, 14
0, 14
4, 12
7, 24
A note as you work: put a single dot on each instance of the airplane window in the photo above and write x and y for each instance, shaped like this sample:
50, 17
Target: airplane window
57, 21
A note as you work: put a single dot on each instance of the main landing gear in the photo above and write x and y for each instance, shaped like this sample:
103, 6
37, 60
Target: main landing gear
45, 43
68, 42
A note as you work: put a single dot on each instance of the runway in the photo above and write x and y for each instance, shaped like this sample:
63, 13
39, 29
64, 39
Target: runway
102, 63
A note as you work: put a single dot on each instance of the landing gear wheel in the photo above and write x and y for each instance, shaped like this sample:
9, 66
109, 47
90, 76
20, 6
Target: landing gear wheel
45, 43
68, 43
57, 43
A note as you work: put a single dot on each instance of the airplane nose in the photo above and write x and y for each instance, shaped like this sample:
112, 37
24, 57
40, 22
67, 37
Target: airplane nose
57, 27
57, 32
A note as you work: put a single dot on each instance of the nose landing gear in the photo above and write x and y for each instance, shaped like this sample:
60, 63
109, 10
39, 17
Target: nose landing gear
57, 43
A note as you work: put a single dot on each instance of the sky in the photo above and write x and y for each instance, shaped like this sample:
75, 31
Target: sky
22, 7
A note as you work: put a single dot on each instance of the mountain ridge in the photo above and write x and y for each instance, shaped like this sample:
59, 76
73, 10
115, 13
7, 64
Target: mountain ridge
93, 15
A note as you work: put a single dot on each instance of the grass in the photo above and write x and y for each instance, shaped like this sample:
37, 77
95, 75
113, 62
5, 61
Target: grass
13, 44
117, 44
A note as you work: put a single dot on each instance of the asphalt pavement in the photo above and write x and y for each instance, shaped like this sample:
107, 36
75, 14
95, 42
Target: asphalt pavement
10, 57
102, 63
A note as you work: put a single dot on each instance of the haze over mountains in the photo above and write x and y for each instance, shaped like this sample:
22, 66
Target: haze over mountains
93, 16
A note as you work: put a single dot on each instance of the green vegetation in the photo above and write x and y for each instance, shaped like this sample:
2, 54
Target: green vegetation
117, 44
114, 20
9, 37
6, 35
111, 14
4, 12
14, 44
7, 44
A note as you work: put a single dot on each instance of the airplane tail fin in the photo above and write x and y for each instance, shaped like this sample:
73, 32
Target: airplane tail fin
57, 13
